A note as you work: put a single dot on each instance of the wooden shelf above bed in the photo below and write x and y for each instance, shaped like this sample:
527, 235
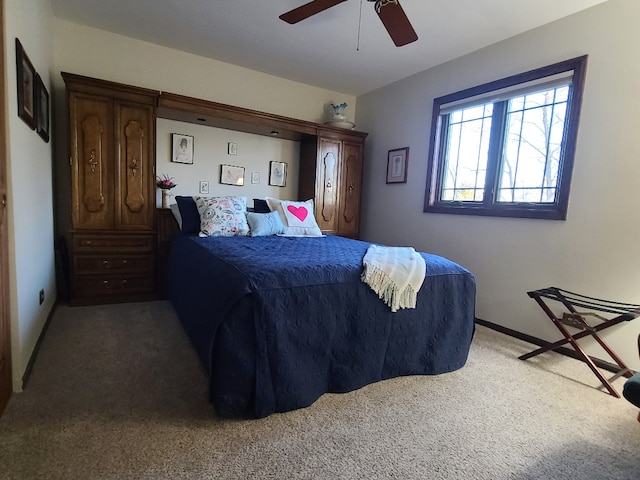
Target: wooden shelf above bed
203, 112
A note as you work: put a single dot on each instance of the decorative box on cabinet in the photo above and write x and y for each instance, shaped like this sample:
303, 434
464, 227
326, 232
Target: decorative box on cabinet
112, 156
331, 173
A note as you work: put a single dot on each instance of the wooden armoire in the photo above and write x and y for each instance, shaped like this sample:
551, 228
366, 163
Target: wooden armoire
111, 235
331, 174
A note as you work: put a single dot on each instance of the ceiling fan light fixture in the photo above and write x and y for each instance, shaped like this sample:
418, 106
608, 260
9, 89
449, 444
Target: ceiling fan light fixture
381, 3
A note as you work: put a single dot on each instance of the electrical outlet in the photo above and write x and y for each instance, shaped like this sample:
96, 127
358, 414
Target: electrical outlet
204, 187
41, 296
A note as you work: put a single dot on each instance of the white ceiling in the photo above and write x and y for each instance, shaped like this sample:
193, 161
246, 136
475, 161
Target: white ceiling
321, 50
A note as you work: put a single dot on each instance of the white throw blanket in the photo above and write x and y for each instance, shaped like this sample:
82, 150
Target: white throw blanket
395, 274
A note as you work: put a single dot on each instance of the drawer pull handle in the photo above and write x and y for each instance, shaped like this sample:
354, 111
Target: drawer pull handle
124, 262
105, 263
123, 283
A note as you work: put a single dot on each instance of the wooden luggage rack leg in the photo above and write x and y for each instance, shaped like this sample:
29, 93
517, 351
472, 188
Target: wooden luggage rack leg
577, 320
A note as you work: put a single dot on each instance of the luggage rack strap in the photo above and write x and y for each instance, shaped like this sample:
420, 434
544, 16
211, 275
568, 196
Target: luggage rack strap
591, 303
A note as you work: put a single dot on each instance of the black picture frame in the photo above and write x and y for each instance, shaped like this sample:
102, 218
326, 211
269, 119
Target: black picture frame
182, 148
42, 109
232, 175
397, 162
278, 174
26, 77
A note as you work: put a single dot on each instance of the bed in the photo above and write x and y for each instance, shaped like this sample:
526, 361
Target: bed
279, 321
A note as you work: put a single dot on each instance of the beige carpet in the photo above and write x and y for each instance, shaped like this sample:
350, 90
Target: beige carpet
118, 393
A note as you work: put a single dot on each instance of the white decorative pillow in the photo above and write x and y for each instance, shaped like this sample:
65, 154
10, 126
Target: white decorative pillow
297, 217
222, 216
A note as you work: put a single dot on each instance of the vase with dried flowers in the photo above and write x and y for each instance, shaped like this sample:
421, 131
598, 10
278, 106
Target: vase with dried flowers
165, 183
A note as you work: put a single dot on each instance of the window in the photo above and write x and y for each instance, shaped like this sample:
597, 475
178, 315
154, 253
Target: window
506, 148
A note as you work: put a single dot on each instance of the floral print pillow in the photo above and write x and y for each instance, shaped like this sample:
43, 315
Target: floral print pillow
222, 216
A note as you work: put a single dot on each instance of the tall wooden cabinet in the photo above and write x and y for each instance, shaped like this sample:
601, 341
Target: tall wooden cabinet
112, 156
331, 174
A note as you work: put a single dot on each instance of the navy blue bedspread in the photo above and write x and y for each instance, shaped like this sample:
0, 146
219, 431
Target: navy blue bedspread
279, 321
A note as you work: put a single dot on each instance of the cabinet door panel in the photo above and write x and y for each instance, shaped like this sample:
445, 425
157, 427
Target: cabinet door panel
135, 187
91, 168
351, 181
327, 185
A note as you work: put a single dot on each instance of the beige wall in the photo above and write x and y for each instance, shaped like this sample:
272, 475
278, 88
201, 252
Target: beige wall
96, 53
595, 251
30, 189
253, 152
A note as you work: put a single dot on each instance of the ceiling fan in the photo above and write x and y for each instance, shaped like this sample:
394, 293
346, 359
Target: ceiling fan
390, 12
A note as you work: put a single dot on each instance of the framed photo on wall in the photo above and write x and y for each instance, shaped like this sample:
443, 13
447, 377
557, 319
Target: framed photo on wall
181, 148
232, 175
26, 76
278, 174
397, 165
42, 109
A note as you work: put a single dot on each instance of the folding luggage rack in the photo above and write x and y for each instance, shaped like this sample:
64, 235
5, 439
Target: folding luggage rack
598, 309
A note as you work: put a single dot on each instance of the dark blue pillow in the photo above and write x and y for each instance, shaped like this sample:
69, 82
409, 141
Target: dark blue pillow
189, 214
260, 206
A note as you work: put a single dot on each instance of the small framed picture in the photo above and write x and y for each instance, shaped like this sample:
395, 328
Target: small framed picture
232, 175
181, 148
26, 76
278, 174
42, 109
397, 161
255, 177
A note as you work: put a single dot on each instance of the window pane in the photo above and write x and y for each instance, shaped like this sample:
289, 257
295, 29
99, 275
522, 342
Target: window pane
506, 148
465, 158
531, 152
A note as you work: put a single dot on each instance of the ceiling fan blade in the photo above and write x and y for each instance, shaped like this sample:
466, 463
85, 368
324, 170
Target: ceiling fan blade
396, 22
308, 10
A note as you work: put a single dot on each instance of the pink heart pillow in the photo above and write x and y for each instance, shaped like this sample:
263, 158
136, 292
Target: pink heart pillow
299, 212
297, 217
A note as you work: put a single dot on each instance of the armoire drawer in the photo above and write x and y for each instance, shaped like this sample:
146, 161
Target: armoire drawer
123, 263
99, 243
92, 286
